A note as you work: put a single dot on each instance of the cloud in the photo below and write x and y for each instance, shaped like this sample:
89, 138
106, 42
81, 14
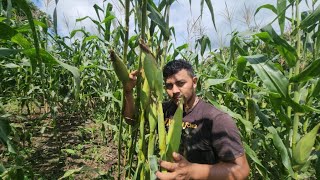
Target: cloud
183, 17
188, 26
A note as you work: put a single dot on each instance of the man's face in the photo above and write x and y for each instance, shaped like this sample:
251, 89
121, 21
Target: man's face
181, 84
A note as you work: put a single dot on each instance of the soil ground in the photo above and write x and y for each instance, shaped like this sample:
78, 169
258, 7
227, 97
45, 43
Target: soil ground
75, 145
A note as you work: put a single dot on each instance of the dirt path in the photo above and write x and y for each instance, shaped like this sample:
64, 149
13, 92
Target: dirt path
76, 144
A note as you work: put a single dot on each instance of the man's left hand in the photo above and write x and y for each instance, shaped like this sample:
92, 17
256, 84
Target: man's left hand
179, 169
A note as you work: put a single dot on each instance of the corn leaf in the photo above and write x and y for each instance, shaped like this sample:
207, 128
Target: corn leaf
311, 19
7, 52
209, 4
49, 59
153, 163
241, 65
283, 47
253, 156
310, 72
158, 19
273, 79
174, 133
25, 7
107, 21
247, 124
303, 149
71, 172
5, 130
6, 31
212, 82
281, 11
316, 90
55, 18
278, 143
266, 6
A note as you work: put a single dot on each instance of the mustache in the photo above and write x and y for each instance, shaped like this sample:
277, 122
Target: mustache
177, 96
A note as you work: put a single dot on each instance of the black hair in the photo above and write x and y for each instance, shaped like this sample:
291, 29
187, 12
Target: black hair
175, 66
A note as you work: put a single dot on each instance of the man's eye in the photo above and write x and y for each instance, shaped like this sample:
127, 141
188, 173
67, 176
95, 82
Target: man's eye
180, 83
169, 86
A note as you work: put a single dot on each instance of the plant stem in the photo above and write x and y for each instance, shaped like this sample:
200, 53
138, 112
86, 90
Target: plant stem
126, 38
296, 72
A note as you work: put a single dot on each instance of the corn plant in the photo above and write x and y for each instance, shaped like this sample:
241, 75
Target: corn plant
267, 80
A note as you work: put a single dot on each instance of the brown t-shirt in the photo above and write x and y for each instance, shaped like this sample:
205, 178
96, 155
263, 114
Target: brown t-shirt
208, 134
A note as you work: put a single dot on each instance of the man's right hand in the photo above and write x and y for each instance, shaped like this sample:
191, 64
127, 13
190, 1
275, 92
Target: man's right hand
128, 86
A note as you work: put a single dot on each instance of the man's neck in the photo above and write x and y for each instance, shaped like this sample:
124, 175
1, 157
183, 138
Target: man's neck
189, 105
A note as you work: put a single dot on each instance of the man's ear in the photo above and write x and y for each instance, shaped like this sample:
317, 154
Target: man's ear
194, 81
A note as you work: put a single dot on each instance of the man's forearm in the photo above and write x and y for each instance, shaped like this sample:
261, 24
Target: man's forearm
222, 170
129, 106
219, 171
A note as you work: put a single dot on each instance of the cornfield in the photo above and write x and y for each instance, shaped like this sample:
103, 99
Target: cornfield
61, 98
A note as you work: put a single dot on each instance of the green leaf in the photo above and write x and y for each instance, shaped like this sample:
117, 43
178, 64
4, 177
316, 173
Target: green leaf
208, 2
83, 18
247, 124
316, 90
70, 151
55, 17
174, 133
7, 52
6, 31
78, 30
281, 11
70, 172
49, 59
272, 78
278, 143
285, 49
2, 168
253, 156
266, 6
108, 22
179, 49
11, 65
264, 119
303, 149
311, 19
97, 9
212, 82
205, 42
25, 7
108, 18
23, 42
153, 162
241, 65
5, 130
157, 18
310, 72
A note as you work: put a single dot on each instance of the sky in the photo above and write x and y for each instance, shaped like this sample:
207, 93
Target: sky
183, 17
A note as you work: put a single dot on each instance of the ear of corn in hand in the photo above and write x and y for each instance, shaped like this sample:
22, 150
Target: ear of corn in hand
119, 67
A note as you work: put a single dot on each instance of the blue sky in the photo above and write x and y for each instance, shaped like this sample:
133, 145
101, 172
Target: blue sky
183, 17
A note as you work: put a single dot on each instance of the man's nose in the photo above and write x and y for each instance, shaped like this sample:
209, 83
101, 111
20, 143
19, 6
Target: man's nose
175, 89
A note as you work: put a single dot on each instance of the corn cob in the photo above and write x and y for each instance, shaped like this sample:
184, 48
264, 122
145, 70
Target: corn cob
153, 74
119, 67
174, 133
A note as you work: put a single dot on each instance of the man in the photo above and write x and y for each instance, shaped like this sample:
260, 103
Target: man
210, 147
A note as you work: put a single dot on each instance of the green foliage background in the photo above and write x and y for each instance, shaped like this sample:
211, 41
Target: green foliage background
267, 81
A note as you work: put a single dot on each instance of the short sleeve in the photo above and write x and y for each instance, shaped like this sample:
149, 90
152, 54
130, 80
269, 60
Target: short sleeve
226, 139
